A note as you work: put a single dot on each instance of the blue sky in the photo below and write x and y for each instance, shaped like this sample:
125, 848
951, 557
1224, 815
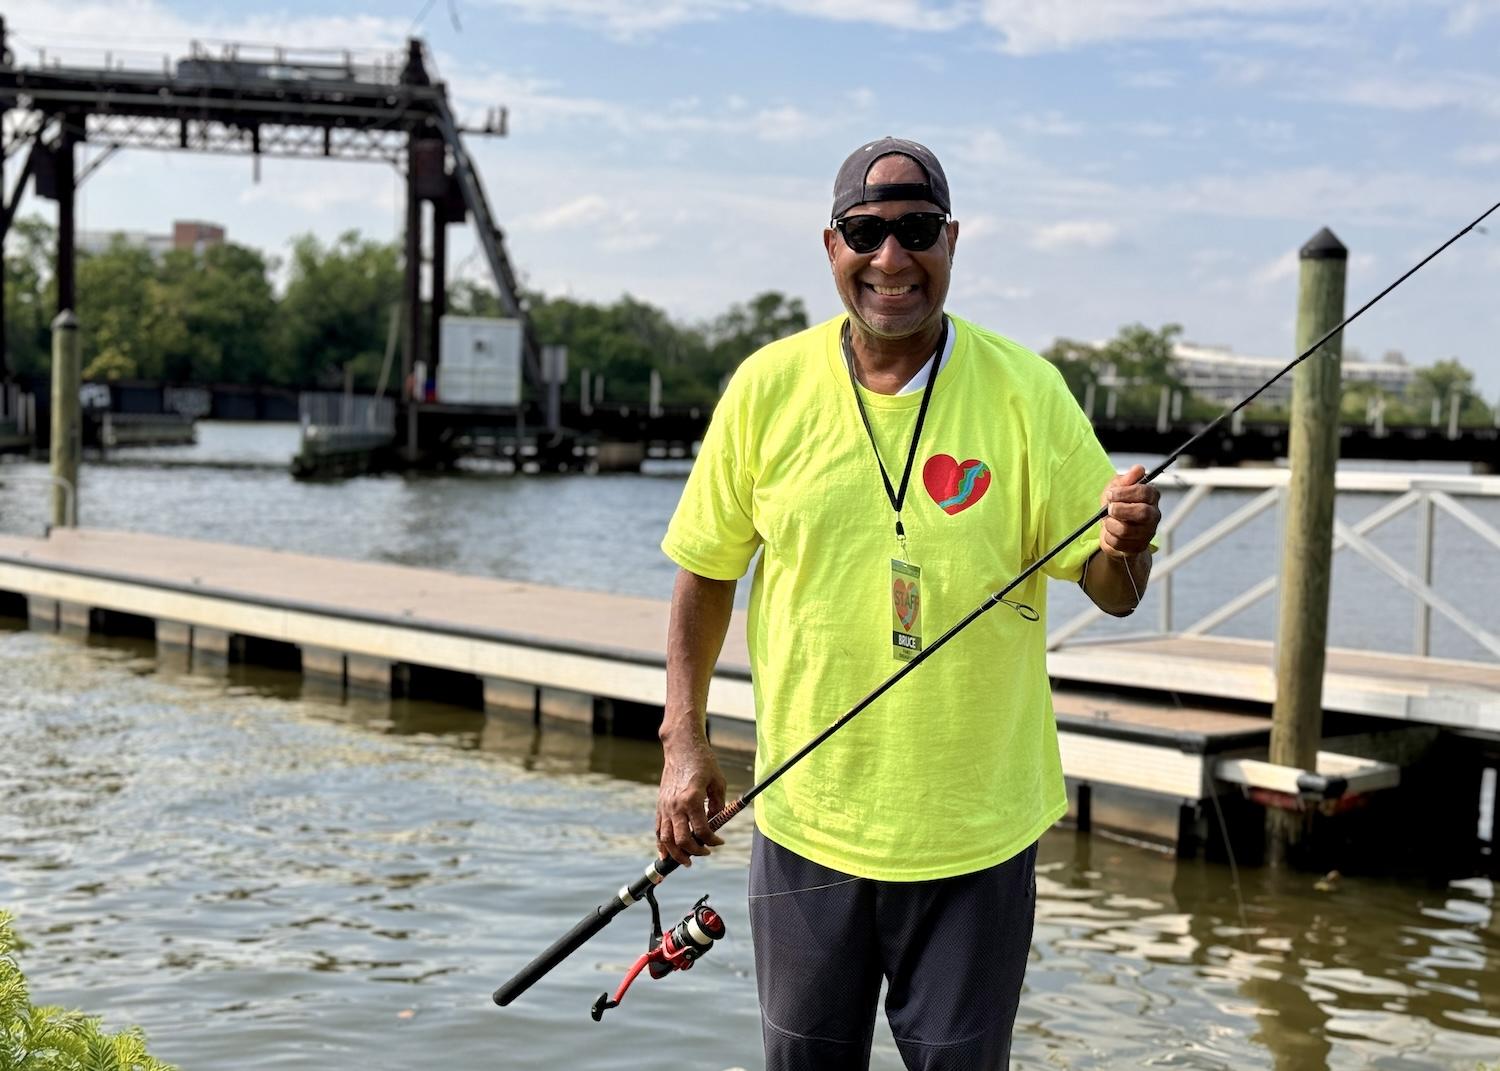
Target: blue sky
1111, 161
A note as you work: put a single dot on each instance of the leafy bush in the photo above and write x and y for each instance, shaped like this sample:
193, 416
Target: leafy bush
51, 1039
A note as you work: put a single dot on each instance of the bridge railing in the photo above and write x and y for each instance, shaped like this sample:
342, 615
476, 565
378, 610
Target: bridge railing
1427, 496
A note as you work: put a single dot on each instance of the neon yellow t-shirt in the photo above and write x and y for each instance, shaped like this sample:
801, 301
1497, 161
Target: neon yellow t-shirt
956, 768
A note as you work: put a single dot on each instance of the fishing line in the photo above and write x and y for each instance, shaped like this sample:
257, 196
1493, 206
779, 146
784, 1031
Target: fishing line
1234, 870
657, 870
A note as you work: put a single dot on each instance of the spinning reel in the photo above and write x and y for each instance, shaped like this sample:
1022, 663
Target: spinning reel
676, 950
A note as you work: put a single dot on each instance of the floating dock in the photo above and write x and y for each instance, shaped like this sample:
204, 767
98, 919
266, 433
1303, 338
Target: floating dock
1176, 761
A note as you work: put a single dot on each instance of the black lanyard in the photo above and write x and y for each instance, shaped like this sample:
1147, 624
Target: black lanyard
897, 497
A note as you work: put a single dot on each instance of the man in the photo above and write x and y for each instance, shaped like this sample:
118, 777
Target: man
892, 466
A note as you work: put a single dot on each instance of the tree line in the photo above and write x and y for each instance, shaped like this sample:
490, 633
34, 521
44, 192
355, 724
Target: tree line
1137, 364
215, 317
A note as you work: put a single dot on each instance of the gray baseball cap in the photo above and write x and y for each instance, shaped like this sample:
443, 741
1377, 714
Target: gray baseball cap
849, 189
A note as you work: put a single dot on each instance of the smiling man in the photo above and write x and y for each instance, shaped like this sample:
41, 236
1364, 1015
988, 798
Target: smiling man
893, 466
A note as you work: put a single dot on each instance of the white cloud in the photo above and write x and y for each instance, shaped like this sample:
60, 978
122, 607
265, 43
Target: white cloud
1240, 70
630, 242
785, 123
1276, 271
1467, 17
973, 228
537, 105
1289, 266
1151, 79
636, 20
1314, 195
1479, 154
1212, 258
142, 31
912, 15
983, 148
984, 286
1052, 124
1075, 234
1268, 133
629, 20
611, 226
1148, 128
1027, 27
317, 192
1411, 92
579, 212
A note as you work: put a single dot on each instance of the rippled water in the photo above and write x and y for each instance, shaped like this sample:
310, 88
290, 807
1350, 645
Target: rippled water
265, 879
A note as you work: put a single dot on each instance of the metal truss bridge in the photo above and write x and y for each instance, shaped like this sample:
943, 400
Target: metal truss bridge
262, 101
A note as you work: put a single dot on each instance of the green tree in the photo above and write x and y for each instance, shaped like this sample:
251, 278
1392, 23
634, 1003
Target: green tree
1136, 364
1144, 356
623, 342
742, 330
30, 296
1441, 382
222, 301
51, 1039
628, 339
336, 310
121, 322
1080, 363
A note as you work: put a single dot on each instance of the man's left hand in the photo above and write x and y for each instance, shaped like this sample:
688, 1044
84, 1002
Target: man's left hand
1133, 514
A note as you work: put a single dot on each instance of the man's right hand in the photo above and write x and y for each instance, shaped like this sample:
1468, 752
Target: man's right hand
692, 790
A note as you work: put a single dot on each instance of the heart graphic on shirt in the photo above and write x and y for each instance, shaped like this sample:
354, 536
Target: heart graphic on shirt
955, 485
906, 600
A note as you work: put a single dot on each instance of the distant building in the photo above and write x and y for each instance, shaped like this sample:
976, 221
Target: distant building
192, 235
1217, 373
195, 235
95, 242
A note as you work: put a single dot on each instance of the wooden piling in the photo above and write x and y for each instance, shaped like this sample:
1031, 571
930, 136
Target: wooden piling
67, 420
1307, 546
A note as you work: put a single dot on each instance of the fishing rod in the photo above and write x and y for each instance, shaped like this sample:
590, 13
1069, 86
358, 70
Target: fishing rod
658, 869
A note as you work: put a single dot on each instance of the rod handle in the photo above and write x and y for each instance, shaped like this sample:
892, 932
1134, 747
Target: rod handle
589, 925
561, 949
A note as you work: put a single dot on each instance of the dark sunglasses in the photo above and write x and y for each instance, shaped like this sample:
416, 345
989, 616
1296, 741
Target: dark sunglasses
915, 231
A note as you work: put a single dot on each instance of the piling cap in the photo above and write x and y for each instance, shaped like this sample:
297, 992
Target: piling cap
66, 320
1324, 246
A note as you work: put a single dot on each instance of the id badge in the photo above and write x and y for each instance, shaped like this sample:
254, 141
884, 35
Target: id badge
906, 610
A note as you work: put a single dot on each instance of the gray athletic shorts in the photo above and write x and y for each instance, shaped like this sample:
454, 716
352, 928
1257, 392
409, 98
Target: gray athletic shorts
952, 953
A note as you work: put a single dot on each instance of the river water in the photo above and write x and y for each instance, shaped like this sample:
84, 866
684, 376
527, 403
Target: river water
266, 878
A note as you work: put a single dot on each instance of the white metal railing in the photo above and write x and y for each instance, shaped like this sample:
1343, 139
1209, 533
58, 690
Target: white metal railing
333, 421
1426, 494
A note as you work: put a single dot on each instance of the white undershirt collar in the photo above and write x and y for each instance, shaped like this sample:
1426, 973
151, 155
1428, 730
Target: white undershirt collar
919, 381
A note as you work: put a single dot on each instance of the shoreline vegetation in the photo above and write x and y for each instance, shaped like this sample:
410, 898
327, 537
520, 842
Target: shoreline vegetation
214, 316
47, 1038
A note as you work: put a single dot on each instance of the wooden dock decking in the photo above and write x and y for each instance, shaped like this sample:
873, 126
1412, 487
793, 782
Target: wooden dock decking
1435, 691
558, 639
585, 656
